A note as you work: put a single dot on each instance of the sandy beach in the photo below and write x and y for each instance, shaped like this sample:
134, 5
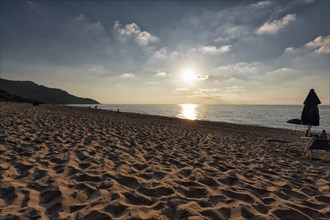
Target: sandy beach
62, 162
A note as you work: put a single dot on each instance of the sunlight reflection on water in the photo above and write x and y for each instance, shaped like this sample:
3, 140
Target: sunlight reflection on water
188, 111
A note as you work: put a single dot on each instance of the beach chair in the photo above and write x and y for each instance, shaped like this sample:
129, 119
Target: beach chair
317, 144
285, 143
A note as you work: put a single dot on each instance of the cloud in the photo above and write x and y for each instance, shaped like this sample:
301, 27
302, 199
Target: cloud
128, 30
80, 18
181, 89
92, 27
144, 38
202, 77
215, 50
163, 53
161, 74
288, 49
283, 70
160, 54
321, 44
240, 70
276, 25
95, 27
133, 31
161, 59
97, 69
262, 4
206, 95
127, 76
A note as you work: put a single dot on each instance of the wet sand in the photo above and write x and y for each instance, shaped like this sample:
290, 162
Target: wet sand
77, 163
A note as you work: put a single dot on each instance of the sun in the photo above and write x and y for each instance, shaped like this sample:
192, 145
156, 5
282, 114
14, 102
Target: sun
189, 75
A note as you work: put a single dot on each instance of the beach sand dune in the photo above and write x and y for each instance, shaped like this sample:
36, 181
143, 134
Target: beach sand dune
62, 162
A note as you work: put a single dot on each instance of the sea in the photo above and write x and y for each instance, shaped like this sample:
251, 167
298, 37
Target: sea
274, 116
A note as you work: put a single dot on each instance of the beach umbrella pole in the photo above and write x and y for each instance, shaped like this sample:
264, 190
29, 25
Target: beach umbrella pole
309, 130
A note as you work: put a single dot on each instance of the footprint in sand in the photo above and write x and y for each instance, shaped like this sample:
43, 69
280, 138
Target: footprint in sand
156, 192
208, 181
116, 210
136, 199
23, 168
75, 208
87, 178
84, 165
38, 174
130, 182
290, 214
238, 196
52, 201
8, 194
139, 167
26, 198
220, 214
93, 215
89, 190
194, 192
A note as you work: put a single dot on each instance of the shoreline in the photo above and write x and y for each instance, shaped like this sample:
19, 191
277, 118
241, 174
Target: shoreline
184, 119
65, 162
220, 113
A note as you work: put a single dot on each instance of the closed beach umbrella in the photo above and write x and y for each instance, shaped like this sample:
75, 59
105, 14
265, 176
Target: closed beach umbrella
295, 121
310, 115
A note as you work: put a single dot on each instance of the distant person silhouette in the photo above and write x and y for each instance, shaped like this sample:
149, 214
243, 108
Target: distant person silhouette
324, 135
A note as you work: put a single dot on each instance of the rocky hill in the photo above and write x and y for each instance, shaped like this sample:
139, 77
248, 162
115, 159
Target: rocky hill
32, 91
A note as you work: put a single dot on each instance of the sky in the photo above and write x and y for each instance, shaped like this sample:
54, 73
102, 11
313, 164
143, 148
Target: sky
170, 52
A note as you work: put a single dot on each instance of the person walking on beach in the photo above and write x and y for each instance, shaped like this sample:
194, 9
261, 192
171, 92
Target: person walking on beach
324, 135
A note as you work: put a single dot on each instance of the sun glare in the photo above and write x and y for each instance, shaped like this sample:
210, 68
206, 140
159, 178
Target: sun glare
189, 75
188, 111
